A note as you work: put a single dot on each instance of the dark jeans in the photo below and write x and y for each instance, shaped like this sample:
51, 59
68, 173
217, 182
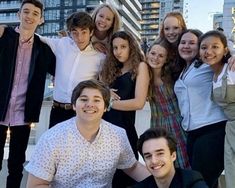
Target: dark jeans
59, 114
19, 136
205, 148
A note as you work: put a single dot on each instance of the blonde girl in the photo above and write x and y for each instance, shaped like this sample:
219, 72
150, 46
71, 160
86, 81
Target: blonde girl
107, 21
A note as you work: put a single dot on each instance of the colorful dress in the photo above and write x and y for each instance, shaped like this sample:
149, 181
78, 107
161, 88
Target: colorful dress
165, 113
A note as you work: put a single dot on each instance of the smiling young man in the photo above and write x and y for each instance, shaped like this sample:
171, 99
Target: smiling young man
24, 63
76, 61
158, 149
85, 150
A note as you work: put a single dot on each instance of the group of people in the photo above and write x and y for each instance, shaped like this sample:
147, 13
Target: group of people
101, 77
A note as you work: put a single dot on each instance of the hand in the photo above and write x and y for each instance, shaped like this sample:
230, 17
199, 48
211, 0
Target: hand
114, 95
100, 47
231, 63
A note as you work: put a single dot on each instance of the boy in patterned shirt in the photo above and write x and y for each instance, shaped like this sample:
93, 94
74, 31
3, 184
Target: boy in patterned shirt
85, 150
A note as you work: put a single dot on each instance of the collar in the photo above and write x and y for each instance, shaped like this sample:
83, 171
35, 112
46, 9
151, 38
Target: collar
29, 41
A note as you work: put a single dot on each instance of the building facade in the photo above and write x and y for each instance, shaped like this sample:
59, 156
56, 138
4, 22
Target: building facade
56, 12
229, 19
150, 19
226, 20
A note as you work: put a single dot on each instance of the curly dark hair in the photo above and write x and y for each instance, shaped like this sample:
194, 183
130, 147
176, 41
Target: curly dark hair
112, 67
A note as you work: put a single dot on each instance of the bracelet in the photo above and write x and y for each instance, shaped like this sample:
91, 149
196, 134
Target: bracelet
110, 104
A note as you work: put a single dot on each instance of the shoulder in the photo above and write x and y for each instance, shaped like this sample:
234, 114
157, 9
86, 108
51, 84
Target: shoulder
113, 131
146, 183
192, 178
60, 130
112, 128
10, 31
143, 65
2, 29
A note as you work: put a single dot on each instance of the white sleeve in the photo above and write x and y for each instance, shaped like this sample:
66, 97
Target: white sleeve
231, 77
52, 42
43, 160
127, 158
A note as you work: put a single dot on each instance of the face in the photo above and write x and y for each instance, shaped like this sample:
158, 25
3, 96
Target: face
158, 159
90, 105
188, 47
81, 37
121, 49
104, 19
172, 29
30, 17
157, 57
212, 50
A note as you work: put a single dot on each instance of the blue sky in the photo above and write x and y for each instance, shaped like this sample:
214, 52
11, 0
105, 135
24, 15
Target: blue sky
200, 13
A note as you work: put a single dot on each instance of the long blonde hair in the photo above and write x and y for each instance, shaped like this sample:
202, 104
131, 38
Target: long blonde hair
117, 23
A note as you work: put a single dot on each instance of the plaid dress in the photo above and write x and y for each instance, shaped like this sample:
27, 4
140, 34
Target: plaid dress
165, 113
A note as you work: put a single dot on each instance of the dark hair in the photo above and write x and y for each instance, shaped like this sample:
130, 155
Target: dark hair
92, 84
80, 19
180, 63
112, 67
223, 39
219, 29
36, 3
155, 133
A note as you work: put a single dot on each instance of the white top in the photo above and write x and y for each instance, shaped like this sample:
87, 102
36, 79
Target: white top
230, 77
193, 90
72, 65
66, 159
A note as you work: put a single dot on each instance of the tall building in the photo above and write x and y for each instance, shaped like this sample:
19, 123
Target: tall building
150, 19
226, 20
217, 20
56, 12
169, 6
229, 19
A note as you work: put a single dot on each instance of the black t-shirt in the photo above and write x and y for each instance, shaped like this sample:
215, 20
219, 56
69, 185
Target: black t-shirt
182, 179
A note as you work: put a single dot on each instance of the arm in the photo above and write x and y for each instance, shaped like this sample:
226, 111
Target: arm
138, 172
141, 91
34, 182
99, 46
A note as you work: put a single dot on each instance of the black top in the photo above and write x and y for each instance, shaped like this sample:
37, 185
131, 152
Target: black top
182, 179
125, 86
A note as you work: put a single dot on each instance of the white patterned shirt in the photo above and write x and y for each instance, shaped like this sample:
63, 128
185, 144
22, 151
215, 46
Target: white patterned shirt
72, 65
67, 160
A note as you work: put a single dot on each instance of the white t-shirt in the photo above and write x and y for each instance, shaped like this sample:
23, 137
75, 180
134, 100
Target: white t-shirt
66, 159
230, 77
72, 65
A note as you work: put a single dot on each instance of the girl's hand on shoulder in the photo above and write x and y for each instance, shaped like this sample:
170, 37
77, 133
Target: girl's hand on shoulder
231, 63
100, 47
114, 96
